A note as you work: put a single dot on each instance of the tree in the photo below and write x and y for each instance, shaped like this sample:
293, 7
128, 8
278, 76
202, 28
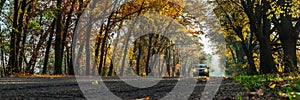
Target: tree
286, 19
58, 39
261, 27
126, 12
13, 49
236, 32
275, 25
45, 65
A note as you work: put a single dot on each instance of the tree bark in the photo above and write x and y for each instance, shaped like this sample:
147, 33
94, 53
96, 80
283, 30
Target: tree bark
45, 65
267, 64
111, 67
58, 40
149, 53
35, 53
288, 35
70, 62
138, 58
167, 57
12, 63
104, 63
103, 42
19, 35
68, 21
257, 22
87, 49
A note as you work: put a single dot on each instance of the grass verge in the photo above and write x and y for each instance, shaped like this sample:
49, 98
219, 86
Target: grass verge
283, 86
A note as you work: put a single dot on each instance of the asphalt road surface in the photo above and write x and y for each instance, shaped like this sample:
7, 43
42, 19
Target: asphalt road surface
67, 88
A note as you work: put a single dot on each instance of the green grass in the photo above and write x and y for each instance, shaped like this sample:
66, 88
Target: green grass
285, 86
239, 97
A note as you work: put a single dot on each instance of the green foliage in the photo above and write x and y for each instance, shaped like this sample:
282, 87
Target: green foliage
49, 14
5, 43
34, 24
239, 97
285, 86
234, 68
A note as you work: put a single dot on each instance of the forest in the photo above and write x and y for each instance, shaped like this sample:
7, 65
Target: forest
88, 37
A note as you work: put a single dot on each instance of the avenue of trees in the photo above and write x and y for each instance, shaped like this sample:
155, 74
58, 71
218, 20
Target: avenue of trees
39, 34
261, 36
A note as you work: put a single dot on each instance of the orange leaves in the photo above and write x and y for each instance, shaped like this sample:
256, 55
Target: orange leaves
195, 33
133, 8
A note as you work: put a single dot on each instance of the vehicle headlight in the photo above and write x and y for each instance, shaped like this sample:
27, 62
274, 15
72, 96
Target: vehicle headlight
194, 70
205, 70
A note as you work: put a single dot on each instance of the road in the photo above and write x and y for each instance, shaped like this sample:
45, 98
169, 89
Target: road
68, 88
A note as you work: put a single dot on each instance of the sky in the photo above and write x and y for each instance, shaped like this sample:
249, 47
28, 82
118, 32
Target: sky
217, 71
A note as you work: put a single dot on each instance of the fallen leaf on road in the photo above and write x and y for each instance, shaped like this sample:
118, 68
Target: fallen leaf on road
285, 85
260, 92
282, 94
95, 82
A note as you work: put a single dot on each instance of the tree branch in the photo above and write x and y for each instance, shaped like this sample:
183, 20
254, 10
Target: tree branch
297, 26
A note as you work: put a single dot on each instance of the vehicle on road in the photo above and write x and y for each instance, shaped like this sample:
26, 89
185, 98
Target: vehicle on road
200, 70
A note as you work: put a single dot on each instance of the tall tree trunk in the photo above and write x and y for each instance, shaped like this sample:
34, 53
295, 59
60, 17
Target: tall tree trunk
97, 50
22, 48
251, 69
167, 57
149, 53
138, 58
87, 48
2, 68
48, 48
58, 40
72, 58
70, 62
77, 63
104, 63
22, 55
103, 42
267, 64
3, 63
13, 47
74, 39
174, 64
65, 64
288, 37
87, 43
68, 21
111, 67
19, 36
